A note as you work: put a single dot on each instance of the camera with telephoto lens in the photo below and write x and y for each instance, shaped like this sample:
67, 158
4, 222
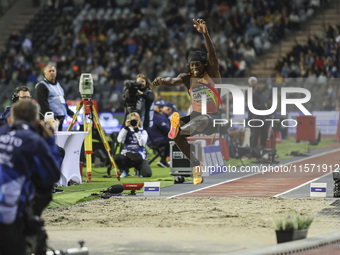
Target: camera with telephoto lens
130, 94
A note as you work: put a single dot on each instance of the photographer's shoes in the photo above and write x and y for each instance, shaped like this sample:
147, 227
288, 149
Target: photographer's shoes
163, 164
196, 172
174, 125
124, 174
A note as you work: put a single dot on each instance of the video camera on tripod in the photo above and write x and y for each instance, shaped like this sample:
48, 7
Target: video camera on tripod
130, 94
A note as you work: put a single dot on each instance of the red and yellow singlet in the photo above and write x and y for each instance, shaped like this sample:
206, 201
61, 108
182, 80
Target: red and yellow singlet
199, 86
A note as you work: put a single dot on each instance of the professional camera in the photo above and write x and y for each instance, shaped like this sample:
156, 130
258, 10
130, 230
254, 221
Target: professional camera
130, 94
133, 123
86, 85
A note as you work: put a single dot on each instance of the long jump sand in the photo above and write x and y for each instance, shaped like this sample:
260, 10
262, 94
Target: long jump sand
125, 225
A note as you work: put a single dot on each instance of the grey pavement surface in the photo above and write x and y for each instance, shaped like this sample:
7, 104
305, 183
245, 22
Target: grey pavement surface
304, 191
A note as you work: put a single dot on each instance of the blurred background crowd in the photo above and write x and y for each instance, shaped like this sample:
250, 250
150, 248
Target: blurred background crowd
117, 39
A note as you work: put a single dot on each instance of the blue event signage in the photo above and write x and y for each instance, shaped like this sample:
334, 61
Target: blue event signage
152, 189
318, 189
315, 189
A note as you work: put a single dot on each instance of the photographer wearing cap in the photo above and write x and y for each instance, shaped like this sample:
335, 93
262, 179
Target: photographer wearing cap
134, 138
138, 97
29, 167
169, 109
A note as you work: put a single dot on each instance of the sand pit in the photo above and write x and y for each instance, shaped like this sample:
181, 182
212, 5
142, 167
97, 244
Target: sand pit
216, 224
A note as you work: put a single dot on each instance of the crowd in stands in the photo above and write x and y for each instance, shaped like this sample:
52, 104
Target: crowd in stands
318, 61
117, 39
318, 58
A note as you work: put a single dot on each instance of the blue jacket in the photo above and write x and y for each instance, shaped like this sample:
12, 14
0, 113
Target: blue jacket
159, 130
27, 162
7, 112
5, 115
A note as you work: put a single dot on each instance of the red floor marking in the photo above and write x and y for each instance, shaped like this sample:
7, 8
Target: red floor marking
270, 184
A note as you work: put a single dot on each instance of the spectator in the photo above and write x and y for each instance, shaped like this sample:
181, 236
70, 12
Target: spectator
242, 68
168, 109
318, 63
32, 78
294, 21
249, 55
27, 45
158, 133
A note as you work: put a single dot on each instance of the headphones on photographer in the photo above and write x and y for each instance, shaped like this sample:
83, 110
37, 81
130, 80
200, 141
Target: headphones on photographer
15, 95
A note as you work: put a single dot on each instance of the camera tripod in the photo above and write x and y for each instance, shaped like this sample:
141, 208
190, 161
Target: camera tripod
90, 114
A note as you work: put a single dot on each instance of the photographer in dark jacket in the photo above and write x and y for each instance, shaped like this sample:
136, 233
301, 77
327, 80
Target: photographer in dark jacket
28, 169
18, 94
50, 96
138, 97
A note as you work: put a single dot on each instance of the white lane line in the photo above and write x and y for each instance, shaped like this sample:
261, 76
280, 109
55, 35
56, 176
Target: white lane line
296, 161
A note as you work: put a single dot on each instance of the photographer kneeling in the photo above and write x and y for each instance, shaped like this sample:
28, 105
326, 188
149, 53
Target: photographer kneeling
138, 97
29, 167
133, 154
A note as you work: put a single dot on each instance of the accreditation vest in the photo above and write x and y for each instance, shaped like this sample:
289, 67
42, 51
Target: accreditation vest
56, 98
200, 86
